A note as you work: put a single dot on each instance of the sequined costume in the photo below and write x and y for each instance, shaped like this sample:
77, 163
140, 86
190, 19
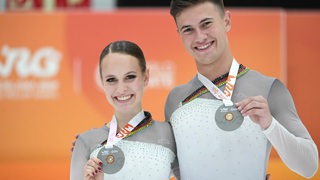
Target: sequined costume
149, 153
207, 152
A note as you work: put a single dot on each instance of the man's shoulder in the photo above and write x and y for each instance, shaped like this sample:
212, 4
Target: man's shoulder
253, 83
178, 94
182, 89
259, 77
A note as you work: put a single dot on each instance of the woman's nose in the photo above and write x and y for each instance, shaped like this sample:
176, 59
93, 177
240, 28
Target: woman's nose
122, 87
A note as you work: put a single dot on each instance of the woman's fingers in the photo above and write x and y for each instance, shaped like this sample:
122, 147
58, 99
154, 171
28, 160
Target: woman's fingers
93, 167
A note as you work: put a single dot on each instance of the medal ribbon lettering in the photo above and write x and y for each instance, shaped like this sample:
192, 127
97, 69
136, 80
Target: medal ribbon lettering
228, 90
113, 138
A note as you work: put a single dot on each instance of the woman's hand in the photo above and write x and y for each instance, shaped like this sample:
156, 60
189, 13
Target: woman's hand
93, 170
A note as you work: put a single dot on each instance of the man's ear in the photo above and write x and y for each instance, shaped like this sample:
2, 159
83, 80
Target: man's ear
227, 20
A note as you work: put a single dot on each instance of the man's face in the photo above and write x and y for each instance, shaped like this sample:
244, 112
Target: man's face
203, 29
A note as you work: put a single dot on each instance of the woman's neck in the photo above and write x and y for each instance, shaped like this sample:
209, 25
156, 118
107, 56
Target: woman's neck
124, 118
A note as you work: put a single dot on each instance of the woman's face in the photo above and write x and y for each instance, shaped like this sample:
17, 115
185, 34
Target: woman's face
123, 82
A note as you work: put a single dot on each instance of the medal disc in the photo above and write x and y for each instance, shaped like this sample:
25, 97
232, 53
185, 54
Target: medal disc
112, 159
228, 118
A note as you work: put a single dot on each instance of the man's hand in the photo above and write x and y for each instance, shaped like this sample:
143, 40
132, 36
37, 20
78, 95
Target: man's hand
256, 107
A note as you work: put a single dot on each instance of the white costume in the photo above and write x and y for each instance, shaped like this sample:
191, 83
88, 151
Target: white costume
149, 152
207, 152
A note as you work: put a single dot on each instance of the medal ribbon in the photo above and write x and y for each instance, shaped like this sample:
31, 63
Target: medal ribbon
113, 138
228, 90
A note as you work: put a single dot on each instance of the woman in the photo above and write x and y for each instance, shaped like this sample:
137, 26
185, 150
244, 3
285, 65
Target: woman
132, 145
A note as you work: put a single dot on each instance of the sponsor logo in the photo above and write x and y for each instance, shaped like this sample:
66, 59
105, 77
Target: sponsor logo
24, 75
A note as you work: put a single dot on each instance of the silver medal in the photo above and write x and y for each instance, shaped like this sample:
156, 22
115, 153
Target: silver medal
228, 118
112, 159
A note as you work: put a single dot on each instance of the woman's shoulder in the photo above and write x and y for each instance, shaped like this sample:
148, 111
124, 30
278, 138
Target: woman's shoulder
161, 127
159, 133
94, 134
163, 134
161, 124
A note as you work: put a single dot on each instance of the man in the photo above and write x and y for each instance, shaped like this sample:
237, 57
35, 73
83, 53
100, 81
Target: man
227, 118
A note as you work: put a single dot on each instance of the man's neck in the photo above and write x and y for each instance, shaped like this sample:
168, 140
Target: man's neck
215, 70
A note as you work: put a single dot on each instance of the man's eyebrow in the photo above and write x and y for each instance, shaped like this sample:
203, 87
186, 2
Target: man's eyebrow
188, 26
205, 19
184, 27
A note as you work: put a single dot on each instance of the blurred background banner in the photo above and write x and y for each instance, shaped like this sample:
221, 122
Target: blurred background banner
50, 88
